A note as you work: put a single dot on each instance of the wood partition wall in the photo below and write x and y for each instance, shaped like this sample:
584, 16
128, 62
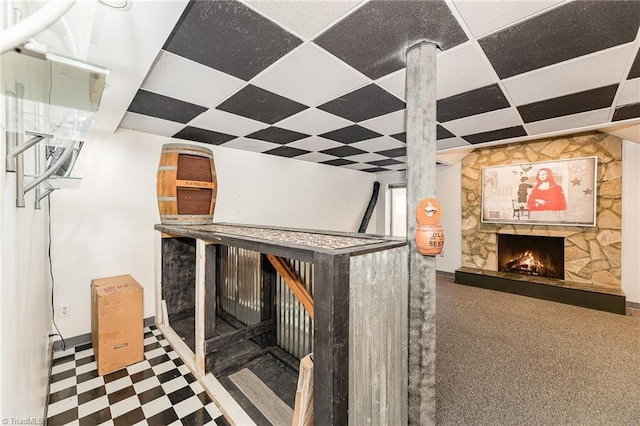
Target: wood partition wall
359, 302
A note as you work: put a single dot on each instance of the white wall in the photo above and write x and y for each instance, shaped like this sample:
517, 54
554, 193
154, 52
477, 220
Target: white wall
105, 227
24, 301
448, 184
630, 218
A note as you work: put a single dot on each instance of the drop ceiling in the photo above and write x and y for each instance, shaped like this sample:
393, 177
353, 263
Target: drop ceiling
324, 81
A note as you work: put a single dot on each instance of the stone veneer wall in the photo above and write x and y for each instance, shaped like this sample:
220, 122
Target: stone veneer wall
592, 254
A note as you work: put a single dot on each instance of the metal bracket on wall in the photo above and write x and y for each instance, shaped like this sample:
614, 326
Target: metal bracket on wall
15, 163
16, 147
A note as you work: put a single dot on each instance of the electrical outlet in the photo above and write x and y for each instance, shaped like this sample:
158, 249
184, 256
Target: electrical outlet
63, 310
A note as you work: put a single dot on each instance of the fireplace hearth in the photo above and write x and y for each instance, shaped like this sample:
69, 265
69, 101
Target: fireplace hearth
533, 266
531, 255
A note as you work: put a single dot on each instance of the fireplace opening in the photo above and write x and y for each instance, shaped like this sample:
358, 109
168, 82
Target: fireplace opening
531, 255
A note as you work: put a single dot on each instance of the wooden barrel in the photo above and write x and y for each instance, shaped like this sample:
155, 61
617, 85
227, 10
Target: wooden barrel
187, 185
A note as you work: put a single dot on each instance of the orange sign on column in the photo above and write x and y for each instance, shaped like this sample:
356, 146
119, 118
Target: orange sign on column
429, 235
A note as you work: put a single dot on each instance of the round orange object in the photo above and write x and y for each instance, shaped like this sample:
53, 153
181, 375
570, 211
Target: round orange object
430, 239
428, 212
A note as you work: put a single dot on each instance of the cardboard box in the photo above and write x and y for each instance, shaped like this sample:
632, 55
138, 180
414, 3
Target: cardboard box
116, 322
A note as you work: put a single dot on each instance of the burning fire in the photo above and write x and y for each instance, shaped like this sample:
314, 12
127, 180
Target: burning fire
526, 263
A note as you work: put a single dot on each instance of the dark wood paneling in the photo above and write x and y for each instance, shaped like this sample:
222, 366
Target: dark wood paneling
268, 285
194, 201
179, 274
247, 332
224, 368
193, 167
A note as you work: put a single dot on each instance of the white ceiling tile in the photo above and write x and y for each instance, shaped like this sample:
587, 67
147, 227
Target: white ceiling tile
148, 124
458, 70
358, 166
304, 17
388, 124
499, 119
484, 17
575, 121
576, 75
461, 69
224, 122
252, 145
366, 158
630, 92
311, 76
174, 76
451, 143
314, 143
315, 157
313, 121
395, 83
396, 167
378, 144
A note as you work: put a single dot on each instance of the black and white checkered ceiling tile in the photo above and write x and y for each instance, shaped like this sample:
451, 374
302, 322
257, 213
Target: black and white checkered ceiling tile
324, 81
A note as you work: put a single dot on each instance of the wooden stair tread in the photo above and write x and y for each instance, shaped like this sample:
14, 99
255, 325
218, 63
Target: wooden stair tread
264, 399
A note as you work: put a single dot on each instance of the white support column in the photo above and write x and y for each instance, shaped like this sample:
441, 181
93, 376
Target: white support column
421, 183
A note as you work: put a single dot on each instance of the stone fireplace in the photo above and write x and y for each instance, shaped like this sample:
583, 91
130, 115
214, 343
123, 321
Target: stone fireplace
531, 255
591, 255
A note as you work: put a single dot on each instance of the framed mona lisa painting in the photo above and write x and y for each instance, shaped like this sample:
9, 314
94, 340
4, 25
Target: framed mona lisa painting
560, 192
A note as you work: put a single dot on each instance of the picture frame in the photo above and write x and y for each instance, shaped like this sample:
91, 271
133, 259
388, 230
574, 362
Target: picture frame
558, 192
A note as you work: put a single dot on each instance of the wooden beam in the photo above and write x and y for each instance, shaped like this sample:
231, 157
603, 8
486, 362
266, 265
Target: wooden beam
210, 282
200, 307
303, 410
223, 369
293, 282
229, 319
262, 397
331, 340
227, 339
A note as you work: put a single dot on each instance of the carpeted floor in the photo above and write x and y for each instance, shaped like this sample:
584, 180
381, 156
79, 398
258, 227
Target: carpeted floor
504, 359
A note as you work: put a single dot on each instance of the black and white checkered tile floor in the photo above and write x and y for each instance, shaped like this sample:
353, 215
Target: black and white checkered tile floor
157, 391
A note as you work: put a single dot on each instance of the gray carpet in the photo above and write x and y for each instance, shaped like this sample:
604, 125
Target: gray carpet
503, 359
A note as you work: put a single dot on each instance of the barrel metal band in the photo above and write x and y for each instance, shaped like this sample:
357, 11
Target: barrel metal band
183, 151
168, 168
167, 198
184, 216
